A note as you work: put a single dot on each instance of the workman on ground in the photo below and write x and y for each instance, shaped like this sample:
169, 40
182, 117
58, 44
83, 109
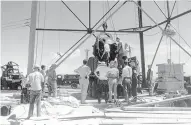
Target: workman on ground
149, 80
51, 80
127, 80
102, 86
43, 72
113, 77
35, 80
84, 72
134, 84
120, 53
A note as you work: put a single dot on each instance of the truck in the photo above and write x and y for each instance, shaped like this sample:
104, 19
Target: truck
11, 77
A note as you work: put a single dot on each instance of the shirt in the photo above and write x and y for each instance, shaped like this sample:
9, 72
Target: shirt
101, 72
35, 79
51, 74
83, 71
113, 73
127, 72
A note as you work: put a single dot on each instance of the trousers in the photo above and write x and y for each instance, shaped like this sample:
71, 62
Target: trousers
84, 83
35, 96
127, 88
52, 88
112, 85
102, 86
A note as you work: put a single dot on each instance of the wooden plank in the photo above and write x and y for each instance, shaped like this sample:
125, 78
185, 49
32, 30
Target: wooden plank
140, 115
156, 109
161, 102
146, 121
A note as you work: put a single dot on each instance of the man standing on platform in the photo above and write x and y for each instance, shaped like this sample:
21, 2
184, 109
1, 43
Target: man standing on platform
84, 72
35, 81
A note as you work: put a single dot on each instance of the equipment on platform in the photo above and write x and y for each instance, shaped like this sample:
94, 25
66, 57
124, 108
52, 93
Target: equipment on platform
11, 77
170, 77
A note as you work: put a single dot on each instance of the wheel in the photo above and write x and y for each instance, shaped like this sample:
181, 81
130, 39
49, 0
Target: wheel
74, 85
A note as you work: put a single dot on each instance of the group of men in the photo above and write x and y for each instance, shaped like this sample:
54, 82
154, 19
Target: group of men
36, 82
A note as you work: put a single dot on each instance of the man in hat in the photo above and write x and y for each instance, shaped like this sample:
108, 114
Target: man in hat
84, 72
35, 81
126, 80
52, 84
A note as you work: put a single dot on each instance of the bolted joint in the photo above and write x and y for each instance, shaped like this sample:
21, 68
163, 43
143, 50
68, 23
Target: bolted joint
89, 30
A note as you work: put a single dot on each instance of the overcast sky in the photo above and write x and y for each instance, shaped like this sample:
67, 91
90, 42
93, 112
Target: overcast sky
15, 35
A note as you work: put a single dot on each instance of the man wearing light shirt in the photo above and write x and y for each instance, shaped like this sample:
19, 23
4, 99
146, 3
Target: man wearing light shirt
126, 80
102, 86
84, 72
35, 81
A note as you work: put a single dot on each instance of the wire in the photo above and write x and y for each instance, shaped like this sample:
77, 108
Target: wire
59, 31
16, 27
37, 33
43, 34
178, 28
181, 36
160, 9
16, 21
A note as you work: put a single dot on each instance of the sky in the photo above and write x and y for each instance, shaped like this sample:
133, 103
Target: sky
15, 35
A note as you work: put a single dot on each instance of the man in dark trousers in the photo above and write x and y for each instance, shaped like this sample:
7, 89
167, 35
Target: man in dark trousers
134, 84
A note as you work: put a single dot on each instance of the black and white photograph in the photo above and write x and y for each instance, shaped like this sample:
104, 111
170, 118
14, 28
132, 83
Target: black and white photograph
95, 62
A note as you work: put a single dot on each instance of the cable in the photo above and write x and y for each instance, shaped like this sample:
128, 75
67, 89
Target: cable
160, 9
178, 28
181, 36
16, 21
43, 34
37, 33
16, 27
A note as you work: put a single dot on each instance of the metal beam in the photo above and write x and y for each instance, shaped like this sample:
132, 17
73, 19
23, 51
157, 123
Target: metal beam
142, 46
74, 14
136, 28
106, 14
79, 30
89, 36
31, 47
158, 46
177, 16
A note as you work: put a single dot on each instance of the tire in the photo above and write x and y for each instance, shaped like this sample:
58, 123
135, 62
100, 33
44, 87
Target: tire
74, 85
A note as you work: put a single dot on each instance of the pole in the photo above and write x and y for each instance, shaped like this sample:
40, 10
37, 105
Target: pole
90, 35
142, 47
87, 51
31, 47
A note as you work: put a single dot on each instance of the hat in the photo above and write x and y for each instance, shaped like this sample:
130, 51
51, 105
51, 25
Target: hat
36, 67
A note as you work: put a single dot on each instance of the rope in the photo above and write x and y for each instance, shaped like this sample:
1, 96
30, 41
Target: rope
37, 33
43, 35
